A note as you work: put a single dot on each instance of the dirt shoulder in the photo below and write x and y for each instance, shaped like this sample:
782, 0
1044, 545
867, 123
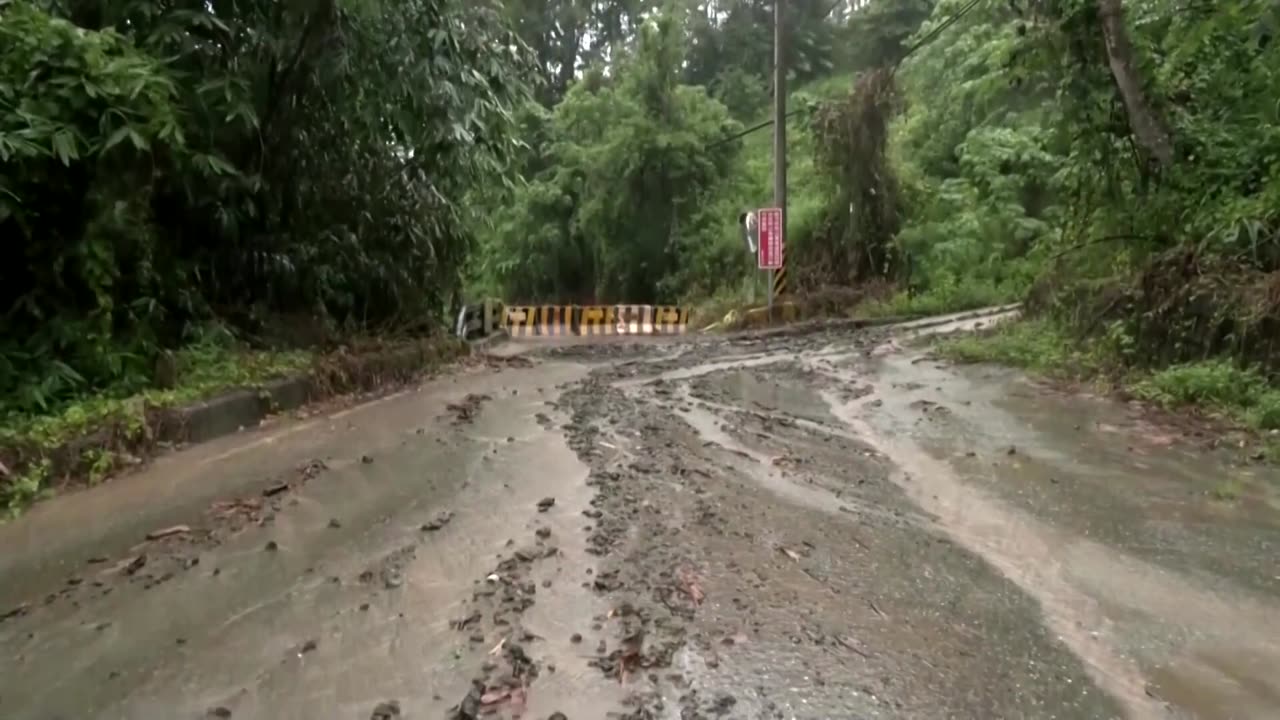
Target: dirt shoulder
92, 442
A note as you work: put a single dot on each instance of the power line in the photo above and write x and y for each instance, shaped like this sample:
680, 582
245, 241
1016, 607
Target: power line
748, 131
930, 37
934, 33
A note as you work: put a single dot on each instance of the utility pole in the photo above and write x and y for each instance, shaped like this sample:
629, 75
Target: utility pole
779, 127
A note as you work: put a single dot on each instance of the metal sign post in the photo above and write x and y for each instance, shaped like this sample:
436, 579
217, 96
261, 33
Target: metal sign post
770, 247
779, 138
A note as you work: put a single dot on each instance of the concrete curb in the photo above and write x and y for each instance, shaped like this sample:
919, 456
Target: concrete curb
239, 408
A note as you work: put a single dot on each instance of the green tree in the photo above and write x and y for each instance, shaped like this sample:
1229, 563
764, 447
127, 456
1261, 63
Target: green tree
305, 158
627, 171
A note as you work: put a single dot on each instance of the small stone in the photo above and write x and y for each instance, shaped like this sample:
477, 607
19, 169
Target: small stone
366, 459
218, 712
364, 607
272, 545
307, 647
543, 532
546, 583
334, 523
545, 504
575, 638
386, 711
182, 641
557, 716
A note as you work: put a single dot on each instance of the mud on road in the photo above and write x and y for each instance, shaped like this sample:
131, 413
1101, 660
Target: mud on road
820, 525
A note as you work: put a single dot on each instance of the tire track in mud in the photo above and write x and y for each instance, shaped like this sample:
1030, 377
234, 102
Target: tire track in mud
735, 595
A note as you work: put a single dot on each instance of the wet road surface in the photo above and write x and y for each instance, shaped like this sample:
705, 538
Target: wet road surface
823, 525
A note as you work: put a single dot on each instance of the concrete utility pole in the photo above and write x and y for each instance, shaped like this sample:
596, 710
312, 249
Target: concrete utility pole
779, 126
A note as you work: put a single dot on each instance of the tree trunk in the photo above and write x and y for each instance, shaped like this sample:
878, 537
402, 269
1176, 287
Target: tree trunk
568, 60
1149, 130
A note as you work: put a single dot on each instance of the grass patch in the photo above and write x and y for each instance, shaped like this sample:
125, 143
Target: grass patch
1242, 394
200, 371
941, 300
1034, 344
1227, 491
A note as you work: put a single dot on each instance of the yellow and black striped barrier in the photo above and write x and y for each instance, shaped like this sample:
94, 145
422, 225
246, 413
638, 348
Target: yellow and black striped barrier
594, 320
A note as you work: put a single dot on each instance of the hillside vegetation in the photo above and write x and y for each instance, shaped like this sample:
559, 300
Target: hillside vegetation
221, 188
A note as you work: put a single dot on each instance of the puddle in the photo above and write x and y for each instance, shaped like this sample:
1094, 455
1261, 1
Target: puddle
1021, 549
295, 632
1133, 568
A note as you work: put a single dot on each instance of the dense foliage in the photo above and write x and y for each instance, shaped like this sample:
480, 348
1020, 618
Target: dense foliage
1116, 159
164, 164
1120, 155
347, 163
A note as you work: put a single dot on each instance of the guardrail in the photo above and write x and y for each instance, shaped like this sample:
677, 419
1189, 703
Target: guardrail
477, 321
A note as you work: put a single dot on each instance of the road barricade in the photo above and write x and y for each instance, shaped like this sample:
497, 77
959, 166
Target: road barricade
480, 320
594, 320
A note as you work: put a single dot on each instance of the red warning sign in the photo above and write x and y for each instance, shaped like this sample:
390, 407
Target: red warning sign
769, 251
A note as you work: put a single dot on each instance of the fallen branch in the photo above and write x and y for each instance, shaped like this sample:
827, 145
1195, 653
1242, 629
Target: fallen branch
875, 607
168, 532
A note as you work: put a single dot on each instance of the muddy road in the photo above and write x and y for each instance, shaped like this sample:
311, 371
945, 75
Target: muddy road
819, 525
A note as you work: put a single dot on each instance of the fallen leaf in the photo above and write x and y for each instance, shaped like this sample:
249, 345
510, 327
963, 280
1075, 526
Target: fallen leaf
689, 584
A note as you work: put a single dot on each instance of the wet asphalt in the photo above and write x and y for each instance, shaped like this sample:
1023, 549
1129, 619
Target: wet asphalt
823, 525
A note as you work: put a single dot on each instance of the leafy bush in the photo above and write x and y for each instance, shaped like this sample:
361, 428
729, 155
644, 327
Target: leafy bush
81, 114
1036, 344
948, 297
162, 165
1220, 385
